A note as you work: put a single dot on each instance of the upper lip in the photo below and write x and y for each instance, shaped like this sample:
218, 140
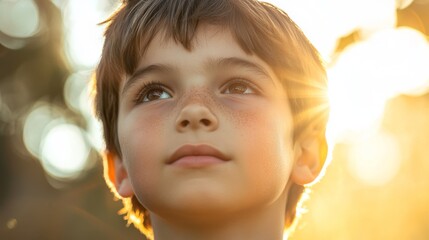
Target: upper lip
196, 150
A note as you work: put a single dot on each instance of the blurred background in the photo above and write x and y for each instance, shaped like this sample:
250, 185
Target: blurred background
376, 186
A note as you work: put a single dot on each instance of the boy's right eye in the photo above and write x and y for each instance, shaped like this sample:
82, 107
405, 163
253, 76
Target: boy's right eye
152, 91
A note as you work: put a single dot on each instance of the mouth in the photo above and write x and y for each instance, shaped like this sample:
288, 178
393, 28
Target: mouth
197, 156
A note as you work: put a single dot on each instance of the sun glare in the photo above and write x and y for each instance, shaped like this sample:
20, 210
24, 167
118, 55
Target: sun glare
325, 22
370, 72
384, 63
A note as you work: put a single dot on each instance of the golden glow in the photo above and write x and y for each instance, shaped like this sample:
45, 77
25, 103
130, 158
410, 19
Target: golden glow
375, 158
401, 4
377, 174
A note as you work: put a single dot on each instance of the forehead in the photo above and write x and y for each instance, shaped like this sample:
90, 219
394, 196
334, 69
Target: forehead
210, 43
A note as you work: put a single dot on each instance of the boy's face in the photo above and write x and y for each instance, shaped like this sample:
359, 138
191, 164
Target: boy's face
215, 95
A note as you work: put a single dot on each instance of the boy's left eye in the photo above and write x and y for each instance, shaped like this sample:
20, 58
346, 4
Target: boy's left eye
239, 87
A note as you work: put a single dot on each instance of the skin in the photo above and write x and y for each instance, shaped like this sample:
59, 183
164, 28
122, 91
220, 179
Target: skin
206, 101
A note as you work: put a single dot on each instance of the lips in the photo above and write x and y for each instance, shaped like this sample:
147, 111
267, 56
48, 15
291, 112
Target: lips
196, 150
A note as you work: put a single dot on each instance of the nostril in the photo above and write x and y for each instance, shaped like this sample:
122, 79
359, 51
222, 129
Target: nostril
206, 122
184, 123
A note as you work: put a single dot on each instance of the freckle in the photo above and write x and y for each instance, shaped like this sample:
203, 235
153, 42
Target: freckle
153, 124
240, 117
198, 95
205, 96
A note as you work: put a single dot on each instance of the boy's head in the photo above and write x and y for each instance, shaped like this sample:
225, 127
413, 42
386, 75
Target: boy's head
185, 77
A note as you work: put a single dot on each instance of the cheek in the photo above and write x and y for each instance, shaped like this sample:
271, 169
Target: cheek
142, 137
264, 131
138, 130
266, 124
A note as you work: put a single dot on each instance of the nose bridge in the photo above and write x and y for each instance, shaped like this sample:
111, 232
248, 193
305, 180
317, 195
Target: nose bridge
196, 111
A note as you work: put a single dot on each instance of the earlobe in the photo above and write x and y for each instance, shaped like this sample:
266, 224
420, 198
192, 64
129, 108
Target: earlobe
124, 188
118, 175
307, 161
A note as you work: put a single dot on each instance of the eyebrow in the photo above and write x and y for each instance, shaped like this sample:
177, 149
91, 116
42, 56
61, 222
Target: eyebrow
210, 64
154, 68
239, 62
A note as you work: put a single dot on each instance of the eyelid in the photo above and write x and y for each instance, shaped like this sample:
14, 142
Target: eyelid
146, 87
252, 85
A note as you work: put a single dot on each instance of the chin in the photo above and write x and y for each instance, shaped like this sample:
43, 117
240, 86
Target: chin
196, 204
200, 198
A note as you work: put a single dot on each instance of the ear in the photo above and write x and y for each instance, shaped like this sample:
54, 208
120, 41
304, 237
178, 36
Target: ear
310, 154
118, 175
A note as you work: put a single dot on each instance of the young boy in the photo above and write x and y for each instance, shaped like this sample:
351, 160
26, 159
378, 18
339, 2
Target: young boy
214, 115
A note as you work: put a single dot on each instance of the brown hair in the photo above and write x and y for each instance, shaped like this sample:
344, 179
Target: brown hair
259, 28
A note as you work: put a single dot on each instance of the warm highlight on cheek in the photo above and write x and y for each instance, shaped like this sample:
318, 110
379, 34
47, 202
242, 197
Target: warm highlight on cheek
142, 136
144, 122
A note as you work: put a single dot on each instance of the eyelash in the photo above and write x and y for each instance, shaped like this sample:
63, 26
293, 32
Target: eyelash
146, 88
246, 82
156, 85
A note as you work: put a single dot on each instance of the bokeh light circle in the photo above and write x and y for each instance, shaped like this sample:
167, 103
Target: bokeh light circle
64, 150
76, 86
19, 19
34, 125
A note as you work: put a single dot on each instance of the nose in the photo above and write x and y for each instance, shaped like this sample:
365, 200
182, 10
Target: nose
195, 117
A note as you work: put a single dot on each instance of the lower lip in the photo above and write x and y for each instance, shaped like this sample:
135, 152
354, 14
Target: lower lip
197, 161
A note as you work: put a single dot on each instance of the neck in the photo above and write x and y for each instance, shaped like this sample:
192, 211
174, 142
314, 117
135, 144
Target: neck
266, 223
